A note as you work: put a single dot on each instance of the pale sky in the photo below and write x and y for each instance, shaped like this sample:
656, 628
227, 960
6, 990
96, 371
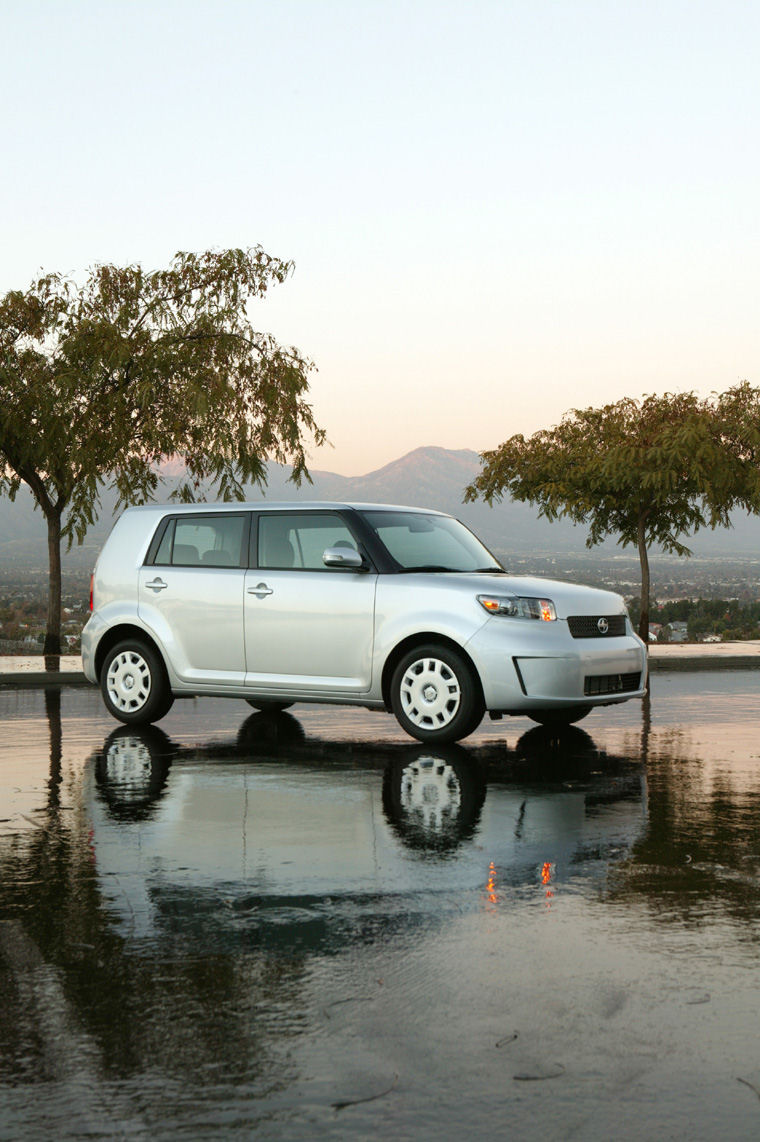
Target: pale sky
498, 211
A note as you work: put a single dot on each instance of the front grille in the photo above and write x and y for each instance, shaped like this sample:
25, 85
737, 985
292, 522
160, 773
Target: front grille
611, 683
587, 626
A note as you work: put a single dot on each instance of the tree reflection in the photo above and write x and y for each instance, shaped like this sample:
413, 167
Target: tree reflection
699, 854
55, 729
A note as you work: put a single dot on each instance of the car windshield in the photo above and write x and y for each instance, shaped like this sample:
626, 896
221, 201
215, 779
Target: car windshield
420, 542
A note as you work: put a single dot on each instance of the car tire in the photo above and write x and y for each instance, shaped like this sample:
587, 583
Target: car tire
134, 684
435, 695
558, 718
268, 706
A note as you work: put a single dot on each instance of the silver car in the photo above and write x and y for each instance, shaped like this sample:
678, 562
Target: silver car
391, 608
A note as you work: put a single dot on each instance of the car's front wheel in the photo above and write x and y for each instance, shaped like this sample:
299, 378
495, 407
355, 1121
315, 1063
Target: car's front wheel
134, 684
435, 695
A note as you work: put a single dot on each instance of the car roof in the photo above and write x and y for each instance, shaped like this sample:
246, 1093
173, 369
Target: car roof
275, 505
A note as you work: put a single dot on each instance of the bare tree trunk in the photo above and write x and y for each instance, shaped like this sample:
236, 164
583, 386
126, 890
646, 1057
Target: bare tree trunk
52, 647
645, 583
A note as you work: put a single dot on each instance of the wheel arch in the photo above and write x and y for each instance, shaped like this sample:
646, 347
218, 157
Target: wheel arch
423, 638
118, 634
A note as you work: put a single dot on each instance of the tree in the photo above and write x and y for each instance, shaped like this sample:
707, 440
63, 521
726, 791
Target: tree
101, 381
651, 471
736, 426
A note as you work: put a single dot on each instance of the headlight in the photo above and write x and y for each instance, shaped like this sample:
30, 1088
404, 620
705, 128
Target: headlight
518, 607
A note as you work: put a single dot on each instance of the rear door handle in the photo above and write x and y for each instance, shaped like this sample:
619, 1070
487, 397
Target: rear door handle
157, 585
260, 590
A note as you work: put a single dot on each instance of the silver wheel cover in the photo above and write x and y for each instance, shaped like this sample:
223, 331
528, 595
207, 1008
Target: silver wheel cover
129, 768
430, 793
128, 681
430, 694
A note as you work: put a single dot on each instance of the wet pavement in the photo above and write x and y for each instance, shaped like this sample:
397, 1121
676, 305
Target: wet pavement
306, 926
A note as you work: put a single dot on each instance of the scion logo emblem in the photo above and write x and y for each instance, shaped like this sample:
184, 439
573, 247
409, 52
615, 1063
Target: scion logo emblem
602, 625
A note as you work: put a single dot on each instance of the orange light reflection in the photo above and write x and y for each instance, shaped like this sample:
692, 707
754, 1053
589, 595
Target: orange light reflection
491, 884
547, 875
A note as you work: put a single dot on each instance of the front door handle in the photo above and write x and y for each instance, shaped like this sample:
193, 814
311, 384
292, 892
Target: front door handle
157, 585
260, 590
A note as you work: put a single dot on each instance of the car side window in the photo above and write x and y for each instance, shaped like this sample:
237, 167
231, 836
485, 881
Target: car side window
299, 541
164, 553
202, 541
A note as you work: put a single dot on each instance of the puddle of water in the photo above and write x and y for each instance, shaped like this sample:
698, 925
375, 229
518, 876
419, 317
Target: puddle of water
303, 926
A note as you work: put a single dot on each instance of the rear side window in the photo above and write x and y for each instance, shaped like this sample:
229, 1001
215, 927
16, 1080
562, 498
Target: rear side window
300, 541
202, 541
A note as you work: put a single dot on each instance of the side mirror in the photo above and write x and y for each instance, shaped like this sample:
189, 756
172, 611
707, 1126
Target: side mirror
343, 557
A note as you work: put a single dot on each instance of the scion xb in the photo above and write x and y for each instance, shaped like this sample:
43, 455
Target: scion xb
391, 608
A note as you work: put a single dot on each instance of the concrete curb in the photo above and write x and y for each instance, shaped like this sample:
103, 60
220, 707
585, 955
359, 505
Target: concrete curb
705, 656
707, 662
36, 679
22, 672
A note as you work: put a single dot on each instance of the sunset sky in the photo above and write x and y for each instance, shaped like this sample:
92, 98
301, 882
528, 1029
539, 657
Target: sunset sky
498, 211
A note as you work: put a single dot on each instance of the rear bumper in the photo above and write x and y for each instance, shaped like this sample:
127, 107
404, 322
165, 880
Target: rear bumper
93, 629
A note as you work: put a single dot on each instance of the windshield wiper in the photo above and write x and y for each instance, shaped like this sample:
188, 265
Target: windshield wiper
453, 570
427, 567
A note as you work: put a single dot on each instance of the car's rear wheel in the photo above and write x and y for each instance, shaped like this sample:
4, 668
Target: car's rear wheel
134, 684
564, 717
435, 695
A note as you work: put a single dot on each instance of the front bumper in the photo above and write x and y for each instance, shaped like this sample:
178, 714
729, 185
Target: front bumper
543, 668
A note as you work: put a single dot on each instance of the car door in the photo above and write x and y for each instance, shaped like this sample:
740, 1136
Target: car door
191, 596
308, 628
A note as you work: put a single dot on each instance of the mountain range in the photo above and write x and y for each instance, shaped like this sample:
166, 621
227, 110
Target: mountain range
427, 477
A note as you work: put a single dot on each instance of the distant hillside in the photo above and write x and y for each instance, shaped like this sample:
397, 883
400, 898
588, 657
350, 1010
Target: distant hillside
427, 477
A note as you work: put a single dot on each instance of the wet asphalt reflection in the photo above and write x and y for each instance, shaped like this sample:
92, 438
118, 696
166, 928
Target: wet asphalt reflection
242, 925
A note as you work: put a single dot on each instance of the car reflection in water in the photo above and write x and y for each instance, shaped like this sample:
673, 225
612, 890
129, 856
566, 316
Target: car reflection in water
313, 843
432, 800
